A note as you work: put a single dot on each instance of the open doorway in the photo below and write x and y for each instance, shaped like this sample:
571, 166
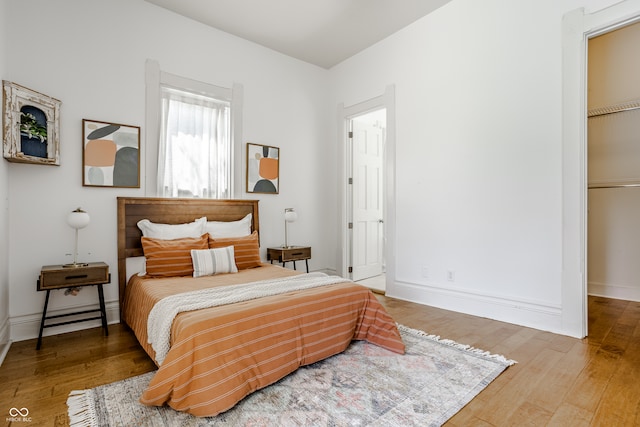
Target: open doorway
578, 26
367, 137
613, 164
384, 105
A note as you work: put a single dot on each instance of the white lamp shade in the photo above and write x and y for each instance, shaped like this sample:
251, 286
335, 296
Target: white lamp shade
290, 215
78, 219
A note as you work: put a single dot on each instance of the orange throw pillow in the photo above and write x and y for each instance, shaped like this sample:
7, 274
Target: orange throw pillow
246, 249
168, 258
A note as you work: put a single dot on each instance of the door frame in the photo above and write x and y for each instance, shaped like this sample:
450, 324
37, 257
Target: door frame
345, 114
577, 28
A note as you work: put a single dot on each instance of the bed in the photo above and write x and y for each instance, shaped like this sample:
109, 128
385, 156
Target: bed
218, 337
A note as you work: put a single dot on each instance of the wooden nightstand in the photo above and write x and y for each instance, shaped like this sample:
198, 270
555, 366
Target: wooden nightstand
291, 253
59, 277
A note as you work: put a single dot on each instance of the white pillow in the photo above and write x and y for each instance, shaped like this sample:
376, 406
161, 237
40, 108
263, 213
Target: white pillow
207, 262
240, 228
135, 265
172, 231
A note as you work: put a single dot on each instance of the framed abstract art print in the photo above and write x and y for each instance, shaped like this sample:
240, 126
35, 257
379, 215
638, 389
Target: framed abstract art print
263, 169
110, 154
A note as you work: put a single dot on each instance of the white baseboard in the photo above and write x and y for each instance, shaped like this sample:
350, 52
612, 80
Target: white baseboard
533, 314
5, 342
26, 327
4, 349
608, 290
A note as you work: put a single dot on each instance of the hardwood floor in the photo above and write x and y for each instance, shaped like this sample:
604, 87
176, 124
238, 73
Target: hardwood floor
558, 381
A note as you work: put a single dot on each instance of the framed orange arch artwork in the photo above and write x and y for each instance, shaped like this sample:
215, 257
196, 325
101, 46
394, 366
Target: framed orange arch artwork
110, 154
263, 169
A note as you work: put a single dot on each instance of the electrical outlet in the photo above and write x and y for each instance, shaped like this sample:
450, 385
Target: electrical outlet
425, 272
451, 276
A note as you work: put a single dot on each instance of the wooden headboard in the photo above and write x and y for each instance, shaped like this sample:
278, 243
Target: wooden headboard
170, 211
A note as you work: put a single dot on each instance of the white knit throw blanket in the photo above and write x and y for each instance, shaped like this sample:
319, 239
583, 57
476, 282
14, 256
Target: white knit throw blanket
164, 311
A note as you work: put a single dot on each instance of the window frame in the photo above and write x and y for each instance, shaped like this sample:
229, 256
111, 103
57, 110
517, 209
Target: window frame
155, 78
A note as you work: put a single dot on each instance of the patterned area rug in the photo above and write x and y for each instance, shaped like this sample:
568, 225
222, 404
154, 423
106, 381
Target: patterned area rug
364, 385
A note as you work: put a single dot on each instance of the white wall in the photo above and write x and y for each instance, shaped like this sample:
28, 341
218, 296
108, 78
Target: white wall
4, 207
479, 155
91, 55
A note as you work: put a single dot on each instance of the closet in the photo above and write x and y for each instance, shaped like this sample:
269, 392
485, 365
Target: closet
613, 135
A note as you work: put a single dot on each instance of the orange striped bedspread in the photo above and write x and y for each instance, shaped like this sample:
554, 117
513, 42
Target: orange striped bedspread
219, 355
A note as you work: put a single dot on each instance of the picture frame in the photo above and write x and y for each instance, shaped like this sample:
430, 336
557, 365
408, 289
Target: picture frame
110, 154
263, 169
31, 122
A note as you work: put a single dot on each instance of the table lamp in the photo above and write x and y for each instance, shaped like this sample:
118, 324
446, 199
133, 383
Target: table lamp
290, 215
77, 219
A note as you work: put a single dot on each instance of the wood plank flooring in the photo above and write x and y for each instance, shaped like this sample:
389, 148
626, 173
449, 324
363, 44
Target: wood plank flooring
558, 381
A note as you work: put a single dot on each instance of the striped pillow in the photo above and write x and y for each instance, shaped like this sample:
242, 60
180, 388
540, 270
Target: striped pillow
168, 258
208, 262
246, 249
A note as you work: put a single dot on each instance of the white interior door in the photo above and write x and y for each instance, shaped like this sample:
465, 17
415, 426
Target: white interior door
368, 197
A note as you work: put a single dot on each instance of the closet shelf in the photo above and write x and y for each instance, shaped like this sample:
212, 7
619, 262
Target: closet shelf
612, 185
613, 109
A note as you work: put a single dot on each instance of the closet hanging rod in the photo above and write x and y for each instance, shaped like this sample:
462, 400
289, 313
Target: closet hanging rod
603, 111
597, 186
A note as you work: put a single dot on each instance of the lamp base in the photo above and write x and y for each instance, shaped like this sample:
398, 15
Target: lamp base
75, 265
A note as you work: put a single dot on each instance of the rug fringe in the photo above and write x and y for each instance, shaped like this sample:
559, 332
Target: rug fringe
81, 411
451, 343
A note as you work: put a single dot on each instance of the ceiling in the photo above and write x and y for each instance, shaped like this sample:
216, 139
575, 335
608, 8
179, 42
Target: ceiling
321, 32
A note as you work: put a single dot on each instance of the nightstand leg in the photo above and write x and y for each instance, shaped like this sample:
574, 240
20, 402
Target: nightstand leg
103, 310
294, 265
44, 316
306, 261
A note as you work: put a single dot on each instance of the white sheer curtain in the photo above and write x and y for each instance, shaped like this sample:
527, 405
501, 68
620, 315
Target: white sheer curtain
194, 156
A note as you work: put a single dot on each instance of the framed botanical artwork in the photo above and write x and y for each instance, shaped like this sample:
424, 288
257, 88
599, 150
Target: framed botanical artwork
110, 154
31, 126
263, 169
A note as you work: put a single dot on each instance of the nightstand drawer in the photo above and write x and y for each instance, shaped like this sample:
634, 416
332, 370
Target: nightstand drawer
293, 254
57, 276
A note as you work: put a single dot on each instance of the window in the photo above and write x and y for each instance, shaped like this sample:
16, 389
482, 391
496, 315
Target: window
165, 174
195, 149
